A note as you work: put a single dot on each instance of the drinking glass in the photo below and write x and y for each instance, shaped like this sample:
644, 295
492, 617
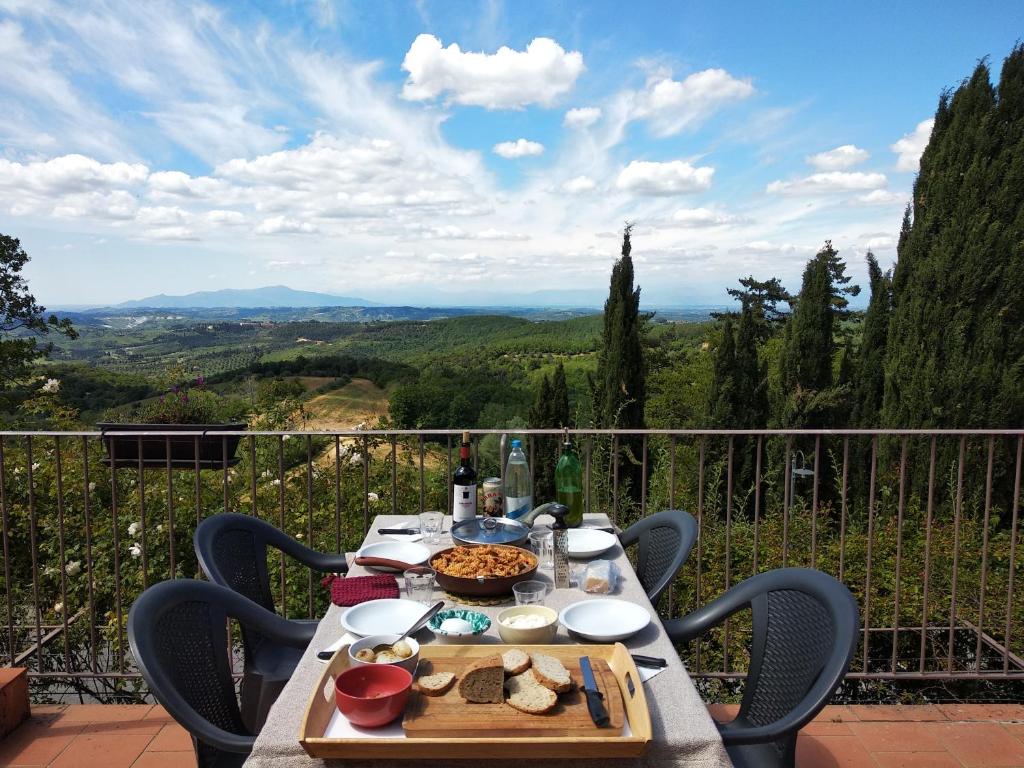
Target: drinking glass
542, 544
419, 583
430, 527
530, 592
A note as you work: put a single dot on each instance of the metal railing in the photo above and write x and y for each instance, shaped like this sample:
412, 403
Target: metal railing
922, 525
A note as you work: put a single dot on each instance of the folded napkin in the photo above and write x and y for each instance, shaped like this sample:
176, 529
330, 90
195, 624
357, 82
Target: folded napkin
360, 589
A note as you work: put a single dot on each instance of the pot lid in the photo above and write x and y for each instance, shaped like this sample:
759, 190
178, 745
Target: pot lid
489, 530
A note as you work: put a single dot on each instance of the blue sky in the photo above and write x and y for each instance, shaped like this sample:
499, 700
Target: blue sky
444, 152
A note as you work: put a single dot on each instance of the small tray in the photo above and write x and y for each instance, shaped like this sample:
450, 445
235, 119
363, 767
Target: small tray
615, 666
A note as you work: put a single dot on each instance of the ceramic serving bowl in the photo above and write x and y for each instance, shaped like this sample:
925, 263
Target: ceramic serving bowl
479, 622
482, 585
604, 620
368, 642
372, 695
542, 635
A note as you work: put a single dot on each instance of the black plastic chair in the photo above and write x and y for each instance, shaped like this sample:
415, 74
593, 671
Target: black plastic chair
804, 635
177, 631
665, 540
232, 551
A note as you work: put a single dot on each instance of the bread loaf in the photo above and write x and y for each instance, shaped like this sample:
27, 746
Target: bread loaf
483, 681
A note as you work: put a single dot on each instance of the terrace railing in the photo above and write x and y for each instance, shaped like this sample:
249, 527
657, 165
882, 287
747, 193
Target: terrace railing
923, 526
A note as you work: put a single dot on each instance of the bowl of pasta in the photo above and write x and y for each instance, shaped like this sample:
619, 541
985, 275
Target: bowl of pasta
483, 571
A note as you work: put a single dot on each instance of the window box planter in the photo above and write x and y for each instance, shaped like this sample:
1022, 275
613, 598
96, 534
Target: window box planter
215, 450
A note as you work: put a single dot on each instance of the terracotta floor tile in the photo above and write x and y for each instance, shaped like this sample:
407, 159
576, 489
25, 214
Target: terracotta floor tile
105, 713
823, 727
116, 727
897, 737
37, 742
898, 713
107, 751
159, 713
1017, 729
837, 713
916, 760
981, 745
814, 751
47, 709
166, 760
172, 738
723, 713
983, 712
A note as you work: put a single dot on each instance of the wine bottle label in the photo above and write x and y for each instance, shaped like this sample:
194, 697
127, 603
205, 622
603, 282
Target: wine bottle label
464, 502
517, 506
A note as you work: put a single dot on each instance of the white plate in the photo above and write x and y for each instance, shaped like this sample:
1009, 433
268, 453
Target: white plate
604, 620
414, 554
589, 542
382, 617
406, 538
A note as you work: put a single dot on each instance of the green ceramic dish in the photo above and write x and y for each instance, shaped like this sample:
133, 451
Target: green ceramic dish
479, 621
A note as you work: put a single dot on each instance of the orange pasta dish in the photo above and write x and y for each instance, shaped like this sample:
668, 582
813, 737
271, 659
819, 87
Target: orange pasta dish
488, 561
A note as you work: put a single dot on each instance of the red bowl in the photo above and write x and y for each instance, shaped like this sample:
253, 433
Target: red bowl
372, 695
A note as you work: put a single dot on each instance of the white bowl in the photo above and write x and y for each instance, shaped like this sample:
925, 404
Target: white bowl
542, 635
382, 617
589, 542
604, 620
369, 642
414, 554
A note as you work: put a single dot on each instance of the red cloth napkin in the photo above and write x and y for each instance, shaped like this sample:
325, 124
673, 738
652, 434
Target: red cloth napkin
359, 589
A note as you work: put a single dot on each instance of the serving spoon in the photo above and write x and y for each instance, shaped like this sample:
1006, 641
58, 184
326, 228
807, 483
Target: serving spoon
384, 562
379, 647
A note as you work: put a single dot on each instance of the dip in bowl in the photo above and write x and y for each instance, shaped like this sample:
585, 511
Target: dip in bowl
528, 625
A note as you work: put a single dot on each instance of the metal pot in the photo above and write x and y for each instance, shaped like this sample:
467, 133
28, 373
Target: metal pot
478, 531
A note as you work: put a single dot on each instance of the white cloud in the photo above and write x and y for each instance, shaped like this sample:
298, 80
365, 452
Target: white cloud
839, 158
675, 177
284, 225
701, 217
518, 148
113, 206
68, 174
218, 216
911, 145
879, 197
581, 117
829, 182
170, 233
580, 185
764, 247
161, 215
499, 234
507, 79
880, 242
672, 106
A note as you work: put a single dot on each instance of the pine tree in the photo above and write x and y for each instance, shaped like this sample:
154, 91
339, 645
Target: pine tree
956, 340
619, 387
869, 378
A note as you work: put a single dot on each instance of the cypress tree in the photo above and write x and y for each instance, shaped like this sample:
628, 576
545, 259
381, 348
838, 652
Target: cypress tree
721, 408
751, 406
869, 379
541, 416
809, 346
956, 339
560, 414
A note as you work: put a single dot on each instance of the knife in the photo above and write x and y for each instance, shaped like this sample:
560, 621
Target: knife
649, 661
400, 531
595, 699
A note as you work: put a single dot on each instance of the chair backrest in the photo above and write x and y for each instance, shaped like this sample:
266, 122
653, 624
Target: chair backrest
804, 635
177, 631
664, 542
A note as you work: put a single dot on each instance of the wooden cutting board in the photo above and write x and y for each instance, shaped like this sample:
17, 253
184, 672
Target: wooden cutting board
450, 716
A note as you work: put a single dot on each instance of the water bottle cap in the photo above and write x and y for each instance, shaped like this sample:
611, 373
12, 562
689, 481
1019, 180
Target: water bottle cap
517, 443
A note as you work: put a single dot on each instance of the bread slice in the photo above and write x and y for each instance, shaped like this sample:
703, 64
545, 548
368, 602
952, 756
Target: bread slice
527, 695
516, 661
550, 673
483, 681
437, 684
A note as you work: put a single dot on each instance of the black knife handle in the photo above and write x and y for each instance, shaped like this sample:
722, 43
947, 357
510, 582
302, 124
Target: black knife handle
399, 531
595, 703
649, 661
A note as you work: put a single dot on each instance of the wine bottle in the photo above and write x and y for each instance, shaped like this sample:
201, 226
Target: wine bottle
464, 480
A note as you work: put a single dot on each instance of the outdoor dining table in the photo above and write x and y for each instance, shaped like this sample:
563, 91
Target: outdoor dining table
683, 733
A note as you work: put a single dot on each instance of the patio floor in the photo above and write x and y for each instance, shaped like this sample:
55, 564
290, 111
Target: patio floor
932, 736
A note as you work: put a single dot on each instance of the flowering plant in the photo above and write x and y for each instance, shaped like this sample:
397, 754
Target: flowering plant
189, 403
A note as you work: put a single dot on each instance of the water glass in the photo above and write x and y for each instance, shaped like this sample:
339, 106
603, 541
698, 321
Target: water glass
530, 592
542, 544
430, 527
419, 583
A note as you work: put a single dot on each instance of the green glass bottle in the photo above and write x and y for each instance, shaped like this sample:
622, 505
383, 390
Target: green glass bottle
569, 484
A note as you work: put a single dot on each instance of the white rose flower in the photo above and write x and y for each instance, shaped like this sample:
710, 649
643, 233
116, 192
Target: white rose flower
51, 386
73, 568
134, 528
58, 607
357, 458
372, 497
160, 528
275, 481
298, 536
135, 550
92, 487
35, 466
286, 437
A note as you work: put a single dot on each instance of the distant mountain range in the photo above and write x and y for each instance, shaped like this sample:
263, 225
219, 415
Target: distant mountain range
269, 296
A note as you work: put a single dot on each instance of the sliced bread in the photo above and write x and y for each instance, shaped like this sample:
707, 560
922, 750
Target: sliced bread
550, 672
516, 661
527, 695
483, 681
436, 684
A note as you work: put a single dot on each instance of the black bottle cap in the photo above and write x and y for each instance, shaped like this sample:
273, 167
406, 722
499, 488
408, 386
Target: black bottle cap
558, 511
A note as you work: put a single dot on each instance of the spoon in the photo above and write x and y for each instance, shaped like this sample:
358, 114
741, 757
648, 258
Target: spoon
415, 625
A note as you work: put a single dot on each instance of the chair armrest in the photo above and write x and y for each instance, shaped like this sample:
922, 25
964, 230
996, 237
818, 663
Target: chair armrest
295, 634
318, 561
695, 624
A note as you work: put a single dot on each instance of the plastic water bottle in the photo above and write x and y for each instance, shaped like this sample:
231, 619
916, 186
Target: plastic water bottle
518, 488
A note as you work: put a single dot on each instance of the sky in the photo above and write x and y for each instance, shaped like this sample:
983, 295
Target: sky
455, 152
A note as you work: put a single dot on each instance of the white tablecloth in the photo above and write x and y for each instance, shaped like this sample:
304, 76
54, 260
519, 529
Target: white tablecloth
683, 732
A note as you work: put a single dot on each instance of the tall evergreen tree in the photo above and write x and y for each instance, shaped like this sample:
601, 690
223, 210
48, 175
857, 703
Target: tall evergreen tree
751, 411
955, 356
869, 378
721, 408
763, 298
550, 409
561, 416
619, 387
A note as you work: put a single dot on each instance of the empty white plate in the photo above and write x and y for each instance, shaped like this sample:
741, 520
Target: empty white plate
589, 542
604, 620
414, 554
382, 617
